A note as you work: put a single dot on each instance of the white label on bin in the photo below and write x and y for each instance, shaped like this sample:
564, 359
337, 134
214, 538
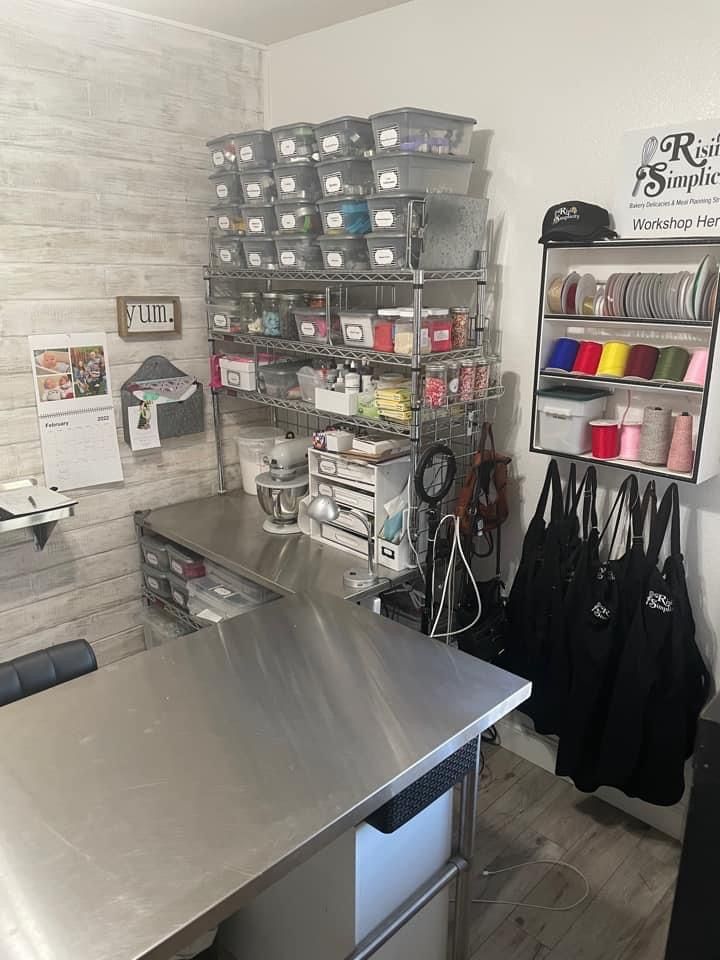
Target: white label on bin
256, 225
176, 567
453, 385
333, 183
287, 221
384, 256
222, 191
246, 153
152, 559
334, 220
287, 184
254, 259
325, 489
288, 258
178, 598
220, 320
153, 583
334, 259
307, 328
233, 378
330, 144
388, 180
221, 592
388, 137
224, 222
354, 332
328, 466
253, 190
287, 147
218, 158
384, 218
439, 336
208, 614
225, 255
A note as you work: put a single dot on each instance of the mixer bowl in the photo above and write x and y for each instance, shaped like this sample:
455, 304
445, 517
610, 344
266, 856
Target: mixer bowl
281, 499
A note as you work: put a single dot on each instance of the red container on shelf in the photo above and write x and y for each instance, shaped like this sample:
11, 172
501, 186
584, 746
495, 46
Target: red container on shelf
440, 333
383, 337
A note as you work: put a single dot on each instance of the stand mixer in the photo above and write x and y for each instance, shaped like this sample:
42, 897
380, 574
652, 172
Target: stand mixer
285, 483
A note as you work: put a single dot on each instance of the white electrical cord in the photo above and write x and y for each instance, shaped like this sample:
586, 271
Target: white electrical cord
456, 546
538, 906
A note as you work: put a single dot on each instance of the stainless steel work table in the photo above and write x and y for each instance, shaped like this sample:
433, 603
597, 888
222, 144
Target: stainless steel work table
228, 530
144, 803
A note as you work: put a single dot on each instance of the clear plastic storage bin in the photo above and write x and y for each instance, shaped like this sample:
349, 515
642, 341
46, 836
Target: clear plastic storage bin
297, 181
421, 173
254, 149
215, 599
185, 563
348, 215
308, 379
358, 327
260, 220
351, 177
389, 251
154, 552
260, 253
279, 380
344, 137
312, 326
297, 216
228, 251
294, 140
223, 152
422, 131
227, 187
298, 252
344, 253
237, 315
258, 186
178, 591
229, 219
156, 580
390, 212
563, 418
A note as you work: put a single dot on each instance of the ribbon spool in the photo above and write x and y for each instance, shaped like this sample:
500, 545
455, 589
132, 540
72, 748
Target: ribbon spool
655, 436
554, 295
697, 368
563, 353
605, 439
588, 358
672, 364
642, 362
680, 458
630, 441
614, 359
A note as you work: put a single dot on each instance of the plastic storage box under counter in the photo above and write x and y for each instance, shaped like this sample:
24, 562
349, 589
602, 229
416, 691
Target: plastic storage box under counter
422, 131
154, 551
421, 173
184, 563
156, 581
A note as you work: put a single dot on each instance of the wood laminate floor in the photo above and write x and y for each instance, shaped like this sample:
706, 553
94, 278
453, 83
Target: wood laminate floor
526, 813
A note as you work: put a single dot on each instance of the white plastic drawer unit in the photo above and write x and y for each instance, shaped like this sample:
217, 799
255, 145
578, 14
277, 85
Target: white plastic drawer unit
344, 538
347, 496
345, 470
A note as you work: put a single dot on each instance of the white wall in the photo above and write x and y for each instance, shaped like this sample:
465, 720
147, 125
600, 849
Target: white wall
103, 191
553, 87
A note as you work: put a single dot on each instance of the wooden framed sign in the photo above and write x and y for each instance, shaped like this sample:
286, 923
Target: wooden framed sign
149, 317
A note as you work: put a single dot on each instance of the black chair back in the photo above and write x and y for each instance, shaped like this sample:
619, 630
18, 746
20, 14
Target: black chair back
33, 672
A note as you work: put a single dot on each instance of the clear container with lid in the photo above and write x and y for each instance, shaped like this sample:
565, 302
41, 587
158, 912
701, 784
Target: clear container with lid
297, 216
421, 173
392, 212
297, 181
227, 187
259, 220
279, 380
294, 140
260, 253
482, 377
223, 153
312, 326
466, 390
298, 252
453, 379
358, 327
258, 186
344, 137
228, 251
346, 215
277, 314
229, 219
389, 251
348, 177
345, 253
235, 316
494, 363
460, 333
403, 332
255, 148
439, 328
422, 131
435, 385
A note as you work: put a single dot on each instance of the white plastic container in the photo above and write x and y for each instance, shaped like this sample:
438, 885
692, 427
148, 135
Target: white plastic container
238, 373
342, 403
358, 327
254, 443
563, 418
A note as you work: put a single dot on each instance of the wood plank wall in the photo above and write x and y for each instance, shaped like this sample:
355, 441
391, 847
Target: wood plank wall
103, 191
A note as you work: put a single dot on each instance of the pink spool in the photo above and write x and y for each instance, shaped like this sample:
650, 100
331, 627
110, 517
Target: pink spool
680, 457
697, 368
630, 441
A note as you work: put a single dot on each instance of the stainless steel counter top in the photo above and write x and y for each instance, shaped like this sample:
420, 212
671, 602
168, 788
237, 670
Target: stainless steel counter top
228, 530
144, 803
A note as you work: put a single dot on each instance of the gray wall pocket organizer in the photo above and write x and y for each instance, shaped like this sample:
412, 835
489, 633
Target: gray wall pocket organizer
177, 419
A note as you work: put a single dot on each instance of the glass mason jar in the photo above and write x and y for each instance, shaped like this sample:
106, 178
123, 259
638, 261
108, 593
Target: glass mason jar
482, 377
288, 301
466, 389
460, 331
453, 379
435, 387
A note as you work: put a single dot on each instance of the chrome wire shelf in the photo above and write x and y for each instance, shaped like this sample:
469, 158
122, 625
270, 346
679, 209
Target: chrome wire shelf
322, 276
433, 420
182, 616
338, 351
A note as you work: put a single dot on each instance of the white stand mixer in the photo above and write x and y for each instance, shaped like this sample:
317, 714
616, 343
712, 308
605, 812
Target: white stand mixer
285, 483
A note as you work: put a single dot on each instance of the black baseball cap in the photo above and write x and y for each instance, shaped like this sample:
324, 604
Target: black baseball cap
576, 220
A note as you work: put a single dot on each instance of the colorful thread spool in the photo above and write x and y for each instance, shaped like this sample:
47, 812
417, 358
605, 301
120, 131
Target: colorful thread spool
614, 359
697, 368
672, 364
680, 457
563, 353
642, 361
605, 439
630, 440
588, 358
655, 436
